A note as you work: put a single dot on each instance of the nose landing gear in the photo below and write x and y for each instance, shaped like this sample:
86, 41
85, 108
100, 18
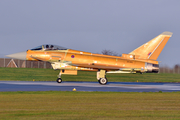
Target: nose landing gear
59, 80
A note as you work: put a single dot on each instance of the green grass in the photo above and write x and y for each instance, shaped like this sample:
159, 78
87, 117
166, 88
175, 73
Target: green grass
28, 74
89, 105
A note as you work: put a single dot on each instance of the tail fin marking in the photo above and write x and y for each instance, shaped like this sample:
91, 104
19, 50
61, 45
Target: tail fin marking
153, 48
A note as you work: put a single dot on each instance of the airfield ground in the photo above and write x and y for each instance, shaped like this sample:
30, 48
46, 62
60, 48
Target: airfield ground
30, 74
87, 105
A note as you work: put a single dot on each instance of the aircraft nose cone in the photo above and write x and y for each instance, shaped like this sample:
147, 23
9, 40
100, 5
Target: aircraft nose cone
20, 55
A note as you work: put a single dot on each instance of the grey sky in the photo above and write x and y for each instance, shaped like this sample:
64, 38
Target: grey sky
89, 25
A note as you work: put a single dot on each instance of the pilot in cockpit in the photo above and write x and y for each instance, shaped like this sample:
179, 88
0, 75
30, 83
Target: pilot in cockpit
52, 47
47, 47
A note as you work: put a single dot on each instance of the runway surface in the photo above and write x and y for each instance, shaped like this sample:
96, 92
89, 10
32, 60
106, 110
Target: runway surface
88, 86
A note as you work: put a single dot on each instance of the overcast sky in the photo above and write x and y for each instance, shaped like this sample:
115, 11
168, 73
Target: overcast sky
89, 25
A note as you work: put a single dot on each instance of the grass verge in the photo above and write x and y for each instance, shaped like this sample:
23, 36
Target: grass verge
29, 74
89, 105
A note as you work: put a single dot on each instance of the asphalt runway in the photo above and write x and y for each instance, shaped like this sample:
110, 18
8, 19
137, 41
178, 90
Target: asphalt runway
88, 86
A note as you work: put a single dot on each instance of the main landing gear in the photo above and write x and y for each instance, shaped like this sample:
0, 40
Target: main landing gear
101, 77
103, 81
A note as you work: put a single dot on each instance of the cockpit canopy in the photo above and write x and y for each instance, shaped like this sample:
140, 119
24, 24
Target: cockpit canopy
49, 47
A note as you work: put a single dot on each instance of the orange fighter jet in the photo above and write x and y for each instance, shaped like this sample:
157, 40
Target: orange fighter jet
68, 61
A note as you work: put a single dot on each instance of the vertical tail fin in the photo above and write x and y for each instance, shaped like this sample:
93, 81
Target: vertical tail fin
153, 48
